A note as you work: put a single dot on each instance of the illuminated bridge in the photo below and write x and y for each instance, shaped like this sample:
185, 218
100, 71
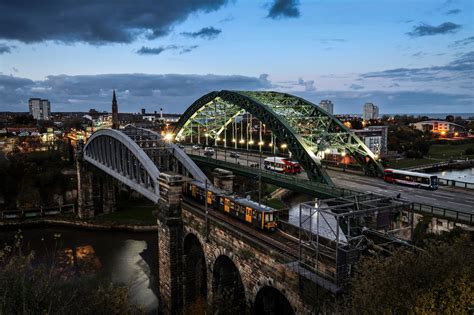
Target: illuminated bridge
282, 122
205, 257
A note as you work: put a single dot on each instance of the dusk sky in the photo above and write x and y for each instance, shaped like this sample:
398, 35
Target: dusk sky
405, 56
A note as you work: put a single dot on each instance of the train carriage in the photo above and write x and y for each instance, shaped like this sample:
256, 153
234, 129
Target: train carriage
248, 211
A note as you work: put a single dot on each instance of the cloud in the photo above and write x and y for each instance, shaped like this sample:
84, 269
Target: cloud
308, 85
394, 102
5, 49
453, 12
463, 42
428, 30
229, 18
96, 21
331, 40
158, 50
174, 92
205, 32
419, 54
284, 9
356, 87
460, 68
151, 51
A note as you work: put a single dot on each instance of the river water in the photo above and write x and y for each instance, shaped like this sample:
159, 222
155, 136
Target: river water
466, 175
124, 258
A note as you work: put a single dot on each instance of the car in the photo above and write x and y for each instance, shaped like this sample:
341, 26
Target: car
180, 146
209, 153
196, 147
234, 155
209, 149
256, 165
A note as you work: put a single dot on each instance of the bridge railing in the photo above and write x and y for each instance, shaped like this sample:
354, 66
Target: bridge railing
36, 212
455, 183
289, 180
440, 212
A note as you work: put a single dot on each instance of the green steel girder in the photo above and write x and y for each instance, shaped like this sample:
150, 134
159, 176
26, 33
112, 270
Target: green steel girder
305, 127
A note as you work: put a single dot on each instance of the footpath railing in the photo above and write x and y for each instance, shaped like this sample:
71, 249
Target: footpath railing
285, 181
36, 212
455, 183
440, 212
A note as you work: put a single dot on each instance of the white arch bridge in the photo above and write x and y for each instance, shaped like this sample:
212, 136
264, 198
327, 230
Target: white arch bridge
136, 156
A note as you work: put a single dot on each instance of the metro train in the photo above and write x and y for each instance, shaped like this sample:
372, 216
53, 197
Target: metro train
248, 211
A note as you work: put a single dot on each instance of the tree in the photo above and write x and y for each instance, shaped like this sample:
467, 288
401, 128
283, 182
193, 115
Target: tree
450, 118
46, 286
437, 279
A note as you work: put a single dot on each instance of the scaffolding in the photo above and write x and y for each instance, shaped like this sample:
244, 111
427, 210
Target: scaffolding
333, 233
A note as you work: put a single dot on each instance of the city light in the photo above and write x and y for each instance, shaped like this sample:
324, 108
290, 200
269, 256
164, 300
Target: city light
270, 144
168, 136
261, 143
283, 146
327, 151
233, 140
242, 141
343, 153
206, 135
251, 142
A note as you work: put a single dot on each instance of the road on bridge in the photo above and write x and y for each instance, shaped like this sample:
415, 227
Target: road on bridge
458, 199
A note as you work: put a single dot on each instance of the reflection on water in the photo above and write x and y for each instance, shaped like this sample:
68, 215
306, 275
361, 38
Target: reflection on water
125, 258
466, 175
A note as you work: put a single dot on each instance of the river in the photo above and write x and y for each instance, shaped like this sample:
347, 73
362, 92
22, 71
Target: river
124, 258
466, 175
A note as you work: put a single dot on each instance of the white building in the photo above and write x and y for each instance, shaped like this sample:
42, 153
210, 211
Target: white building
371, 111
39, 109
375, 138
327, 105
438, 126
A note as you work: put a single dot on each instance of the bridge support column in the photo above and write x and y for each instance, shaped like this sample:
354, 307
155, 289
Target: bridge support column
85, 200
170, 243
223, 179
109, 200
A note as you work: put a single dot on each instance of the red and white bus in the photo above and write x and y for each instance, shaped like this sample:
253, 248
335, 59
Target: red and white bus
414, 179
281, 165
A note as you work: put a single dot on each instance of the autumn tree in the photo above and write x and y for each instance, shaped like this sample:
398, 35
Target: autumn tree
436, 279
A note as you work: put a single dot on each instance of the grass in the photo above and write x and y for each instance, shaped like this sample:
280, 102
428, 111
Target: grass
404, 163
130, 212
449, 151
274, 203
437, 153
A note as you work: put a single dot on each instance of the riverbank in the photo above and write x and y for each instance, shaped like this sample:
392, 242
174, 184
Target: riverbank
73, 221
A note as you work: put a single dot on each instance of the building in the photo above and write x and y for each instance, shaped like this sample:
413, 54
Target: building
375, 138
438, 127
327, 105
115, 117
39, 109
371, 111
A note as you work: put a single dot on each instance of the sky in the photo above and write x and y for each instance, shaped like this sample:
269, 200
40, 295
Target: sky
412, 56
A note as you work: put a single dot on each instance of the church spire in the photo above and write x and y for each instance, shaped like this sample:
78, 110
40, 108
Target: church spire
115, 119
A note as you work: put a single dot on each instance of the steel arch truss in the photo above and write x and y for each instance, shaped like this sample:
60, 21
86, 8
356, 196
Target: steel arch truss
119, 156
166, 155
135, 157
304, 127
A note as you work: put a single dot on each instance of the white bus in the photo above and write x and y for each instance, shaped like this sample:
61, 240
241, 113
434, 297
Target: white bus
414, 179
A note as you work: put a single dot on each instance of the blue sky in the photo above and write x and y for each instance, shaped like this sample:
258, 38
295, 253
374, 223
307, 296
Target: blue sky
406, 56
